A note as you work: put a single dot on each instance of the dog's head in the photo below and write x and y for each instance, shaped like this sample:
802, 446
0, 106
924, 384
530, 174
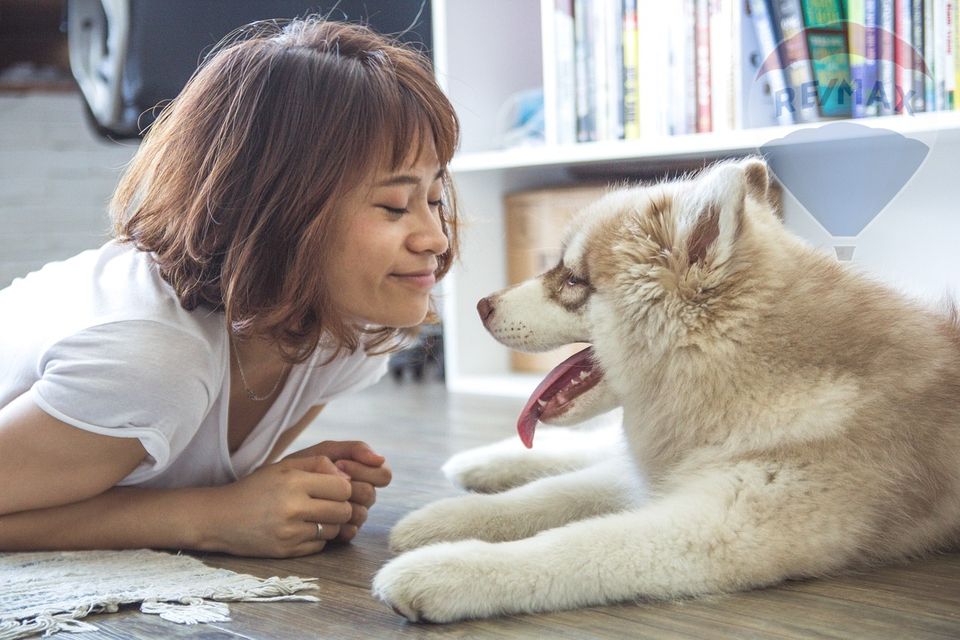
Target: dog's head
645, 274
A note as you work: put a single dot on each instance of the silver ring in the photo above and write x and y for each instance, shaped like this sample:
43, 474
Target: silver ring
319, 531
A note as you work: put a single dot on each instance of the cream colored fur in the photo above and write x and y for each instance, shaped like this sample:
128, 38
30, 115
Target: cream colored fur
783, 417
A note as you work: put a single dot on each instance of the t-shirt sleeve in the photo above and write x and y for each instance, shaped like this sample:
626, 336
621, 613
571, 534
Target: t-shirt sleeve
355, 372
131, 379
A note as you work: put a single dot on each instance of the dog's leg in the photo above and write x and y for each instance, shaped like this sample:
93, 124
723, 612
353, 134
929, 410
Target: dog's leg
518, 513
507, 464
728, 531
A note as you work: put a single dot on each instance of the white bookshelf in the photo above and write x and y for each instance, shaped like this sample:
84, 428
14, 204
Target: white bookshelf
486, 51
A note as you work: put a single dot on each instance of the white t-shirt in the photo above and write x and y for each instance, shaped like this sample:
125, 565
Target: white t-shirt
101, 342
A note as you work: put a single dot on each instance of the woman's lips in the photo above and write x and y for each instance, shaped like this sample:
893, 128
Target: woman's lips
419, 280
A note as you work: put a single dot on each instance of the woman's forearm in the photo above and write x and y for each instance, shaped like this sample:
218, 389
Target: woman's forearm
121, 518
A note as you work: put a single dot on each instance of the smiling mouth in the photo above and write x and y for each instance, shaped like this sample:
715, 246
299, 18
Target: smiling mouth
419, 279
555, 394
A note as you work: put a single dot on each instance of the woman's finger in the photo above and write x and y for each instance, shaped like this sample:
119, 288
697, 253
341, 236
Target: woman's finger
348, 532
360, 514
377, 476
363, 494
325, 532
332, 511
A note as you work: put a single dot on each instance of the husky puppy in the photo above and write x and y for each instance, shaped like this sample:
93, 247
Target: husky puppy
783, 417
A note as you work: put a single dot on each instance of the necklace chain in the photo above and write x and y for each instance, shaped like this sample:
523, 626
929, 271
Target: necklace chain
243, 377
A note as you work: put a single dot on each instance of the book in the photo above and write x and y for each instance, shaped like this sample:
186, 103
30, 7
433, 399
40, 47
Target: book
702, 39
612, 16
949, 71
689, 65
654, 65
585, 79
827, 43
802, 91
681, 95
919, 101
857, 44
771, 67
939, 54
559, 74
886, 96
631, 80
721, 73
871, 53
903, 55
929, 47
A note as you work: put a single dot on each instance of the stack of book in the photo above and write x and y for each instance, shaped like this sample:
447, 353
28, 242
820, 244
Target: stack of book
630, 69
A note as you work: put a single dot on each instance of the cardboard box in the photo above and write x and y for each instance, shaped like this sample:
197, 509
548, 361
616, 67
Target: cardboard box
536, 222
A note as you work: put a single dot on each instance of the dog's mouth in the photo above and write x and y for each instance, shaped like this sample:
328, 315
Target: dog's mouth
568, 380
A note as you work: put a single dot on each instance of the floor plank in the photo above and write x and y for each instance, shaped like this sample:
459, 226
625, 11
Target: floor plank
417, 427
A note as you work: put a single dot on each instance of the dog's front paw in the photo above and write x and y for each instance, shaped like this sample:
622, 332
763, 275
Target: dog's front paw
441, 583
447, 520
490, 469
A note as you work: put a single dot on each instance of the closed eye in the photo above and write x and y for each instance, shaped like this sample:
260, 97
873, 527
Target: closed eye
433, 204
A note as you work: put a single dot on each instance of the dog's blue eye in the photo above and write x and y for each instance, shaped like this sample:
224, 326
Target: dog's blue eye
574, 281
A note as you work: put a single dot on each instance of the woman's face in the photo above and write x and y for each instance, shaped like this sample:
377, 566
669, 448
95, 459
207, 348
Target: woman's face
382, 269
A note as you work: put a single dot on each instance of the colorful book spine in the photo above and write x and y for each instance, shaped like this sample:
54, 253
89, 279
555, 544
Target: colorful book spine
903, 54
565, 73
827, 44
796, 59
690, 66
918, 101
956, 61
613, 41
704, 98
949, 72
721, 74
631, 81
939, 48
680, 69
857, 42
886, 74
929, 57
772, 66
871, 54
586, 94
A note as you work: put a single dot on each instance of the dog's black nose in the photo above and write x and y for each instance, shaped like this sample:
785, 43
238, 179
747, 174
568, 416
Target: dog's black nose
485, 309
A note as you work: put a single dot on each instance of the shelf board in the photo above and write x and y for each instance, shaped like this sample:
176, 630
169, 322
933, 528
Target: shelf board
678, 148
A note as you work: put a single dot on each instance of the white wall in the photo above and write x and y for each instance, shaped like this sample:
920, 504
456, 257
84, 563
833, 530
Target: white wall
56, 178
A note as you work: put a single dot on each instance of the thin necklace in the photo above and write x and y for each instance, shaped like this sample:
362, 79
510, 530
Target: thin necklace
243, 377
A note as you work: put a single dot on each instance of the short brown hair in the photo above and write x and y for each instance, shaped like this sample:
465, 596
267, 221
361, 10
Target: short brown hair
234, 186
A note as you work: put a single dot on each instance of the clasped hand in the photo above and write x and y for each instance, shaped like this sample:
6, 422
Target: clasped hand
332, 483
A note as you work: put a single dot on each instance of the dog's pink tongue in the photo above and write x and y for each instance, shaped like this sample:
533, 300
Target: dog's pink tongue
530, 415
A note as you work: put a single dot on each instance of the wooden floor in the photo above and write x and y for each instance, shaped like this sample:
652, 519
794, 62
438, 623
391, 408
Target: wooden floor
417, 427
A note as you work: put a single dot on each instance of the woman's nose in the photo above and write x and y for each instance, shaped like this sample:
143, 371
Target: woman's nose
429, 237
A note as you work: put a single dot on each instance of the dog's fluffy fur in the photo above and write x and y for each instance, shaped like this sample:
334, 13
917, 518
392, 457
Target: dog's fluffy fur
783, 417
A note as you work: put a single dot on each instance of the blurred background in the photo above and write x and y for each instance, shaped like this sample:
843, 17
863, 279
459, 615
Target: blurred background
79, 82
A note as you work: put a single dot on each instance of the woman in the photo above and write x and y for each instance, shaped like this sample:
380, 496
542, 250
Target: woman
282, 223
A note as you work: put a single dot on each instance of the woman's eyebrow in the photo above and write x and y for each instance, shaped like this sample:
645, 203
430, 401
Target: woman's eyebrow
406, 179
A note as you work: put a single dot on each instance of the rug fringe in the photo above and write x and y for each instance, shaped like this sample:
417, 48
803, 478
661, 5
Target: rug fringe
45, 624
188, 610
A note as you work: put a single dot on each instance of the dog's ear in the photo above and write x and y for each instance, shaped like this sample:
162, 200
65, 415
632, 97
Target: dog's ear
717, 215
762, 186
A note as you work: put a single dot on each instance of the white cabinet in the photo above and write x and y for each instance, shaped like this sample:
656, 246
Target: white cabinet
486, 50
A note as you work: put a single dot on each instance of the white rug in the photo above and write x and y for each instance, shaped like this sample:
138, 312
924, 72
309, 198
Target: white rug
49, 592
